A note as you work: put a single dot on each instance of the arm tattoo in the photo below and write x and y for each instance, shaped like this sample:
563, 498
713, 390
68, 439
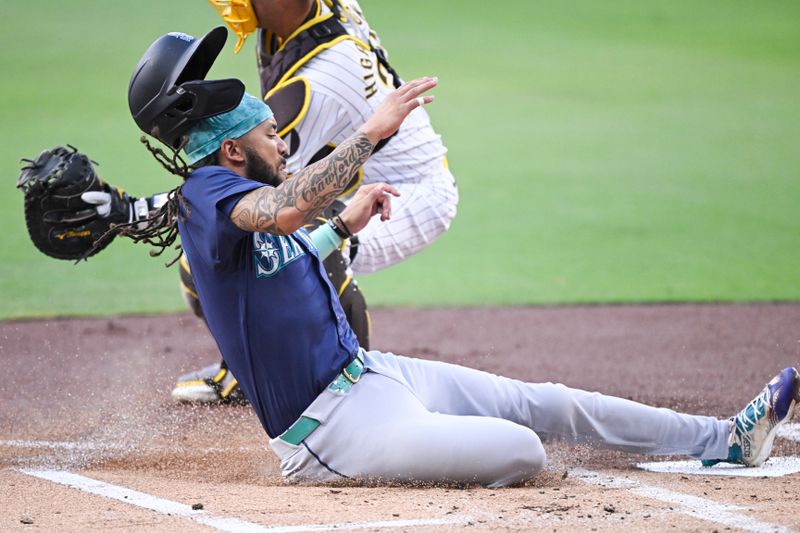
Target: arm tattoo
299, 200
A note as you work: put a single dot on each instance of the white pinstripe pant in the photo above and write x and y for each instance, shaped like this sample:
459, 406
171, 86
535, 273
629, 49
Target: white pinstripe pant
420, 214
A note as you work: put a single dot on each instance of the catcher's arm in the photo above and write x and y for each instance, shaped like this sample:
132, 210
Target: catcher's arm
136, 208
68, 208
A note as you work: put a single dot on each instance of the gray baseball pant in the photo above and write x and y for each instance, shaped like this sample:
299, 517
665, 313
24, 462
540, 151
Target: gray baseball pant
416, 420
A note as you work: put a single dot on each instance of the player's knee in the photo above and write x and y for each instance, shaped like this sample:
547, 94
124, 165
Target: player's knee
523, 462
558, 402
449, 204
532, 457
440, 223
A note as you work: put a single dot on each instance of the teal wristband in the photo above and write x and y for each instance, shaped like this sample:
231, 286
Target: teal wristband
325, 240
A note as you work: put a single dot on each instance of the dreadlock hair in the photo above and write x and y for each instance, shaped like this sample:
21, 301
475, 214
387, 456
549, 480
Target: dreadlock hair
160, 229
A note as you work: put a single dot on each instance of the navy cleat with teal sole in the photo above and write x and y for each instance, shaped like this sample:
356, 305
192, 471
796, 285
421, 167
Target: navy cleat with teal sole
754, 428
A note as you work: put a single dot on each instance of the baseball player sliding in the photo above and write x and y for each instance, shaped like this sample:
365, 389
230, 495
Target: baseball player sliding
332, 409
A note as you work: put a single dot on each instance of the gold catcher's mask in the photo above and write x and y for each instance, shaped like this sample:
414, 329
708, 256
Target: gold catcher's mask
239, 16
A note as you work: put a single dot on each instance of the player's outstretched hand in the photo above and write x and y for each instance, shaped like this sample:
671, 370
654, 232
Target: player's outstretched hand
369, 201
396, 107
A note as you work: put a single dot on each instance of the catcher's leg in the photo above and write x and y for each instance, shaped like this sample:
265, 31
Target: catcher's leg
421, 213
341, 276
213, 383
350, 296
188, 290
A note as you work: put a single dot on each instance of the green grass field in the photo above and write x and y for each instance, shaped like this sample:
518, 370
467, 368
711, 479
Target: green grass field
605, 151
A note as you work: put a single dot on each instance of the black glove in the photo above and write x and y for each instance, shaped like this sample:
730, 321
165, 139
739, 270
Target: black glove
68, 208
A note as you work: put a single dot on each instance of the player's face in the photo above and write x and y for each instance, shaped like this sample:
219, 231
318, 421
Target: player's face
265, 154
268, 10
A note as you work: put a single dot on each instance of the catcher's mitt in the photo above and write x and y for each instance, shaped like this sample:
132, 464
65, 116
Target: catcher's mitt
60, 222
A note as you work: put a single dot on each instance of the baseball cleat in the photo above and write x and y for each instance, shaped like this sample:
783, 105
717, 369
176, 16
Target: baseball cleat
212, 384
754, 428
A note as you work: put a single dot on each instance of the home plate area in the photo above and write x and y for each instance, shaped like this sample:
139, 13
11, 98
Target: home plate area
773, 467
124, 457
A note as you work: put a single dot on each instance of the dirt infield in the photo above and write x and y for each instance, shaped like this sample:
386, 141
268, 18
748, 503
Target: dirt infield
90, 397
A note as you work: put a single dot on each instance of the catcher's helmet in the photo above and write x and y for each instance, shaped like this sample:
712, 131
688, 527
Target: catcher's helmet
167, 94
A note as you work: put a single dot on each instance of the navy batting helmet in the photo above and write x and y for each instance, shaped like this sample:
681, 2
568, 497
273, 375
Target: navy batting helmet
167, 94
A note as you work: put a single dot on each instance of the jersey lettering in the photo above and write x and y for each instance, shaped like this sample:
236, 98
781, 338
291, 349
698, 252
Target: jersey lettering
370, 89
271, 253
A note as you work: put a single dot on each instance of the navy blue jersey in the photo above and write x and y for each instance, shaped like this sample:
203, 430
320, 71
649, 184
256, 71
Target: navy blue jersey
268, 302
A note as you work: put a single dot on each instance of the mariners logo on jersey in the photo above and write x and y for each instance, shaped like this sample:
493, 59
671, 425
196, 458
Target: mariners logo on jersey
271, 253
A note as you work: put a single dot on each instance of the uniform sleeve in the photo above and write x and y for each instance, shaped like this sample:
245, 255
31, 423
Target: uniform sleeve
225, 189
212, 194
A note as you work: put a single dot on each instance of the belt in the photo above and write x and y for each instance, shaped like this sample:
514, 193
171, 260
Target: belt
341, 384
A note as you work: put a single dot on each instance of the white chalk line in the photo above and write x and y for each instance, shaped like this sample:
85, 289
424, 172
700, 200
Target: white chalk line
53, 445
230, 525
94, 446
420, 522
691, 505
790, 432
774, 467
694, 506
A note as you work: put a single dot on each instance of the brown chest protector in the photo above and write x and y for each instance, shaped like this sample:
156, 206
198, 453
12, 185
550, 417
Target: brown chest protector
274, 61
